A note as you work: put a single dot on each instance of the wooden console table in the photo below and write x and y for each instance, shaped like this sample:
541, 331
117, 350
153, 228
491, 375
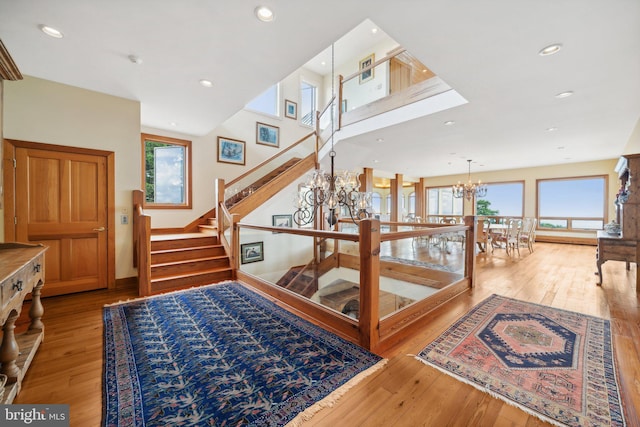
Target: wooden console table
612, 247
21, 273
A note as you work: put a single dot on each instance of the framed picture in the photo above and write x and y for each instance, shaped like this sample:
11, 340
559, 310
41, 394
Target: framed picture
282, 220
267, 134
230, 151
290, 109
365, 76
251, 252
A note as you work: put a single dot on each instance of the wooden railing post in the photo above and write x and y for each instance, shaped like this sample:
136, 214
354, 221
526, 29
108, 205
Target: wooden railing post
470, 248
235, 244
369, 320
137, 199
219, 199
144, 260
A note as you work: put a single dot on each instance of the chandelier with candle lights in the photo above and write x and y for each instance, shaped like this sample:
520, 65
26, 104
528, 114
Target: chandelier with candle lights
469, 190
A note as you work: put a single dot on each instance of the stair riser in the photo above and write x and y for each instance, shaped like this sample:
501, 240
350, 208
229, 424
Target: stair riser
184, 255
188, 267
195, 280
158, 245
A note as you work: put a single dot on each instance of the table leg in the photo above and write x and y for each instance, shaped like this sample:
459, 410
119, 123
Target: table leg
36, 311
9, 350
599, 273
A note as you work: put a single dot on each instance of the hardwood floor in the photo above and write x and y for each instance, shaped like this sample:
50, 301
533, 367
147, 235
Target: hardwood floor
68, 366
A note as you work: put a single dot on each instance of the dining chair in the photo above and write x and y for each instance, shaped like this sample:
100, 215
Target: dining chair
510, 238
483, 235
528, 234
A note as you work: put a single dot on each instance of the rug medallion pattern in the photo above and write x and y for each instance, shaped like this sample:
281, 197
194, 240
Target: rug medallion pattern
555, 364
221, 356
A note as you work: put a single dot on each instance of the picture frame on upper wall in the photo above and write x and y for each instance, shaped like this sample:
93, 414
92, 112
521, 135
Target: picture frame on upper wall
251, 252
283, 220
369, 74
231, 151
267, 135
290, 109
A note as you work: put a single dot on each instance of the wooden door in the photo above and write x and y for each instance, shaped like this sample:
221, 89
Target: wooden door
61, 201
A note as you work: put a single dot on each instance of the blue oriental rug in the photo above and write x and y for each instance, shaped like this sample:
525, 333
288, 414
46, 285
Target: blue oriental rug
554, 364
221, 355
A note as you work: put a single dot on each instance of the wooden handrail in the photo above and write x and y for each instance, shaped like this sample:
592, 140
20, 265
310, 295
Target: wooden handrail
392, 54
250, 171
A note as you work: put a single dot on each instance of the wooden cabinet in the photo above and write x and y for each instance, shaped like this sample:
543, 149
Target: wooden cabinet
625, 246
21, 274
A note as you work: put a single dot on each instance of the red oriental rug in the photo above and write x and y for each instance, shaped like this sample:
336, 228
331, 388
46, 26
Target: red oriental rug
554, 364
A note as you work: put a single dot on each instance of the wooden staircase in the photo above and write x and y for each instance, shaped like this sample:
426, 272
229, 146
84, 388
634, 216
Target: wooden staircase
296, 281
185, 260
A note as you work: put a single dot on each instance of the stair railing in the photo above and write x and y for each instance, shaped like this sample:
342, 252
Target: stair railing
242, 185
141, 243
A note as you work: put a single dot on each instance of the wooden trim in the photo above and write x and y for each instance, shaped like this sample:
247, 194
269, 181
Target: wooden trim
591, 241
188, 170
10, 146
370, 276
8, 69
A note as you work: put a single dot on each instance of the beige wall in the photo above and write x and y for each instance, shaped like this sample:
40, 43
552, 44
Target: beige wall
42, 111
530, 175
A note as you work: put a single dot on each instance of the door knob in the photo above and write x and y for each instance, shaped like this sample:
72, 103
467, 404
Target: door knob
99, 229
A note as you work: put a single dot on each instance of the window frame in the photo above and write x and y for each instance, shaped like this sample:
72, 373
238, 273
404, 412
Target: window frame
314, 108
187, 204
605, 211
427, 205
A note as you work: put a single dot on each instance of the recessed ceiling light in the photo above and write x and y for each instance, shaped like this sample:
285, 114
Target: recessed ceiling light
135, 59
173, 124
552, 129
323, 63
550, 50
564, 94
51, 32
264, 14
449, 123
561, 148
206, 83
376, 161
380, 139
374, 30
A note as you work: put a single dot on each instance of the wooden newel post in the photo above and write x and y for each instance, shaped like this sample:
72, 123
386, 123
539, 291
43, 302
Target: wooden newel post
369, 320
470, 252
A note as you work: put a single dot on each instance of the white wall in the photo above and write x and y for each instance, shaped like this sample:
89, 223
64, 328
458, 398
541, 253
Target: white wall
240, 126
43, 111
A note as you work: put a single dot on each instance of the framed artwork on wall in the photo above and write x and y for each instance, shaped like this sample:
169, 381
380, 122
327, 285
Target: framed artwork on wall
231, 151
251, 252
290, 109
267, 134
285, 220
367, 75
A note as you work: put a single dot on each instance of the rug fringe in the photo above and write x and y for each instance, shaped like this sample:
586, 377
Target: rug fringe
333, 397
492, 394
167, 293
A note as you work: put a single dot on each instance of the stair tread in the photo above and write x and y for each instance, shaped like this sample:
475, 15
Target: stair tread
179, 236
161, 278
186, 249
186, 261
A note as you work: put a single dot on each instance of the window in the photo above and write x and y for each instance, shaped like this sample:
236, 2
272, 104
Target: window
376, 202
388, 201
412, 203
572, 203
502, 199
267, 102
440, 201
308, 104
166, 172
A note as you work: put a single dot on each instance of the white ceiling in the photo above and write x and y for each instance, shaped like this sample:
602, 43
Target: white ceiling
486, 50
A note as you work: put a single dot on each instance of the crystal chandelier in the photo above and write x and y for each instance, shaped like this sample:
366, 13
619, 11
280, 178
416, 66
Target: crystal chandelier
469, 190
331, 191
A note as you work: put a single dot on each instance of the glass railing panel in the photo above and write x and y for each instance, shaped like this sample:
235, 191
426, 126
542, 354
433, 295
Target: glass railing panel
242, 187
367, 87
